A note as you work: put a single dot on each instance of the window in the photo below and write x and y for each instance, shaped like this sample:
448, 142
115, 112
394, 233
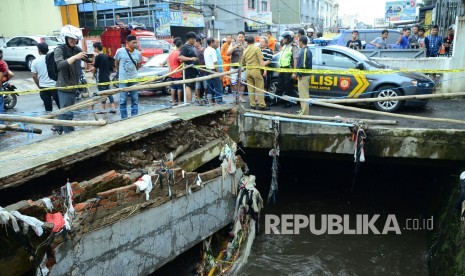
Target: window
51, 40
264, 6
28, 42
14, 42
251, 4
336, 59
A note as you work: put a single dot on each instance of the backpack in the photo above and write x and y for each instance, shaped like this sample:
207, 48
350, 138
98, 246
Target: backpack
52, 69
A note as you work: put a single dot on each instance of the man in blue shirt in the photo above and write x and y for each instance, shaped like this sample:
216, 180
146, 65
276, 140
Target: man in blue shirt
127, 62
403, 41
303, 62
433, 42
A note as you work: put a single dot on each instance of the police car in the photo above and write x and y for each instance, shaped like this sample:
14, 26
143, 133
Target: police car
362, 85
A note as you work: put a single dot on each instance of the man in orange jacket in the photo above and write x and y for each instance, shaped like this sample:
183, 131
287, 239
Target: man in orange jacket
226, 59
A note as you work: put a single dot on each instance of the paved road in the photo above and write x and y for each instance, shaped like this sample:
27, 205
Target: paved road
32, 105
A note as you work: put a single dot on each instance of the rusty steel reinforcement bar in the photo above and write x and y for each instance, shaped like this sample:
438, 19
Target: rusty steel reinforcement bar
325, 118
44, 121
304, 121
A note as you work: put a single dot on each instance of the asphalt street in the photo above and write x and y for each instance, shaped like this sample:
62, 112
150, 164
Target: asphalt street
32, 105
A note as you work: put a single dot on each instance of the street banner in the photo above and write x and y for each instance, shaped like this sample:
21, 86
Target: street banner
162, 19
176, 18
400, 10
264, 17
190, 19
67, 2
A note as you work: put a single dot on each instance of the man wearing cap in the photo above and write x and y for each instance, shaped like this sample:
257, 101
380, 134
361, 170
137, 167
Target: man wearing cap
42, 80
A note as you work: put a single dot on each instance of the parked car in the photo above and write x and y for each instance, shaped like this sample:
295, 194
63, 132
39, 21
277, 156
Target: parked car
152, 68
366, 36
22, 50
334, 85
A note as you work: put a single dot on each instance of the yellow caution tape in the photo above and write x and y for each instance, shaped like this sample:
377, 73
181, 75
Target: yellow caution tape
357, 73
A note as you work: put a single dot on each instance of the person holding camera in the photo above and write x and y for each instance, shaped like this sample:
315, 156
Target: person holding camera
68, 61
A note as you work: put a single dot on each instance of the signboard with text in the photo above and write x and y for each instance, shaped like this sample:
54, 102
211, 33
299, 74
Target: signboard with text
264, 17
400, 10
162, 19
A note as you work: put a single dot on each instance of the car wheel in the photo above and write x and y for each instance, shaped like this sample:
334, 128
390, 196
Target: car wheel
167, 89
29, 61
388, 106
270, 99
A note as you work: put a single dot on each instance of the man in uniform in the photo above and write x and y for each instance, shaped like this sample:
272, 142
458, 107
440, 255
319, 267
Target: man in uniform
253, 57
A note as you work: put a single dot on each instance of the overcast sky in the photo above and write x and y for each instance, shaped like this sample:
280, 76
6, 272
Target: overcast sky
367, 10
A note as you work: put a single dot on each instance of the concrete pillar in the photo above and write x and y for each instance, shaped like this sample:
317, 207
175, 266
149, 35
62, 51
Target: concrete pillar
458, 58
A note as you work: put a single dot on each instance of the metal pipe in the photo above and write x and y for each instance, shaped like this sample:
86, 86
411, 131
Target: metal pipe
282, 119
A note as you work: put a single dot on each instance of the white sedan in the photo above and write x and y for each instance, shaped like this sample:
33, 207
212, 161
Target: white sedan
22, 50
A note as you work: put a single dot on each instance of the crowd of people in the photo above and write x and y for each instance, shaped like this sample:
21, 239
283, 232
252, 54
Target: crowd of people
412, 38
234, 54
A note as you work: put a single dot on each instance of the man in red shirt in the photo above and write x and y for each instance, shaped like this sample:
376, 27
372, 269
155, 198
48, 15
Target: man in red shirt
174, 63
5, 74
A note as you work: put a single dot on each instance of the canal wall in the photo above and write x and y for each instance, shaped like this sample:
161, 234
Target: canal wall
142, 243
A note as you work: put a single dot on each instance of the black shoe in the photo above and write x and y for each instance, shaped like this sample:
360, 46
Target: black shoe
253, 107
263, 108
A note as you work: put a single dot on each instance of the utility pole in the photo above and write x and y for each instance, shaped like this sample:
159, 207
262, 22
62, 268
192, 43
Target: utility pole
279, 20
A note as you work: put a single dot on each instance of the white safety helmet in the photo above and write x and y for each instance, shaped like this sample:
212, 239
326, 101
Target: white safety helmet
70, 31
310, 30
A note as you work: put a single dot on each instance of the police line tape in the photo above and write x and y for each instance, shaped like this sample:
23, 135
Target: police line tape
237, 65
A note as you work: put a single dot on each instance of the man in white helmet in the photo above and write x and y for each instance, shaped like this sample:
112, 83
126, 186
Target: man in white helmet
310, 32
68, 60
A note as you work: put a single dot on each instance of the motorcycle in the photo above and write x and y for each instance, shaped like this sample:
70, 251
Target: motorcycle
10, 99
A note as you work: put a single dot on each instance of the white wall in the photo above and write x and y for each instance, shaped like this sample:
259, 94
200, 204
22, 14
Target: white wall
28, 17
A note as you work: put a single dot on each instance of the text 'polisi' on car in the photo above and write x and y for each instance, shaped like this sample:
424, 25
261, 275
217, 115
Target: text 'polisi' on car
364, 85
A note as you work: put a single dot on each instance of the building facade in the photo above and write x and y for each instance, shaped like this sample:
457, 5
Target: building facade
29, 17
322, 15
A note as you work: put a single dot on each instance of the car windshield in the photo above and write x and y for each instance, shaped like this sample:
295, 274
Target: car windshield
365, 59
51, 40
150, 43
156, 60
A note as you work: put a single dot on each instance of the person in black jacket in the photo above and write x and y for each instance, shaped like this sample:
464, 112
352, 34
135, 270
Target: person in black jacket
68, 60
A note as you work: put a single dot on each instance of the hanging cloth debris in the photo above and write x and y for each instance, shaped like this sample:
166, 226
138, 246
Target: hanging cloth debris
30, 221
67, 199
358, 136
228, 155
144, 184
57, 220
274, 153
5, 216
48, 203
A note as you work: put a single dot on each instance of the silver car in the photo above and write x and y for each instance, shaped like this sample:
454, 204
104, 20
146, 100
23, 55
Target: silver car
152, 68
335, 85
